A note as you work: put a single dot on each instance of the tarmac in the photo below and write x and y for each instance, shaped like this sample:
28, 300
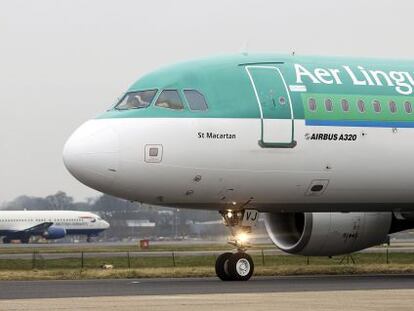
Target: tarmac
379, 292
368, 300
188, 286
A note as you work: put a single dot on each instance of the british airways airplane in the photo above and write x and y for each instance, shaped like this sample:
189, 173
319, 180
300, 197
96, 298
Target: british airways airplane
320, 146
51, 225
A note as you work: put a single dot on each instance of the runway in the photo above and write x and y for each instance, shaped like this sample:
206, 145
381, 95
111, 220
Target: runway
133, 287
368, 300
319, 293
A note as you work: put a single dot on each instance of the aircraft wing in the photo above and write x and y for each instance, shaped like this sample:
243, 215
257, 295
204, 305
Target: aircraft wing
38, 229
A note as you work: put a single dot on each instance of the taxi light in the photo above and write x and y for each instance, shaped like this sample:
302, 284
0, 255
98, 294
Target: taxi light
242, 237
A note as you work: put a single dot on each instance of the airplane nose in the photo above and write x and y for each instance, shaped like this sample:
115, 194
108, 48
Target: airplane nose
91, 154
106, 224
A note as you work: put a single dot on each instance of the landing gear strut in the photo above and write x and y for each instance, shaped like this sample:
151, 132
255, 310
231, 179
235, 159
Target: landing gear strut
237, 266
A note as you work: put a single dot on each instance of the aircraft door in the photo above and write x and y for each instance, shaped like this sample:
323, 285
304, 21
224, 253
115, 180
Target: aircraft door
275, 106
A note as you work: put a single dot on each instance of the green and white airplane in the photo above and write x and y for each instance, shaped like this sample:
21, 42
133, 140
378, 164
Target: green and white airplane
321, 146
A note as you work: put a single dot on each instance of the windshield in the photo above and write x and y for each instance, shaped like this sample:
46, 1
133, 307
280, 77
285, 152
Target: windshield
170, 99
135, 100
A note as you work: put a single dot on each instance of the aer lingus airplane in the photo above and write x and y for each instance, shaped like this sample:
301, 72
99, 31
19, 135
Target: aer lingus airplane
321, 146
51, 225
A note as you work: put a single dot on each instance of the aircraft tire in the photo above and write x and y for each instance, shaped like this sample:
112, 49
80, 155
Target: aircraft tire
6, 241
222, 267
240, 266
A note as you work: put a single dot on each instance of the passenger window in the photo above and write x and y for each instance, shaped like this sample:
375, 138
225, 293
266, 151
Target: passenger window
408, 107
312, 104
170, 99
135, 100
377, 106
345, 105
393, 106
282, 100
328, 105
195, 100
361, 105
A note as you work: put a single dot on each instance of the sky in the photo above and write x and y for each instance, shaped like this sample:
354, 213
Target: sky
64, 62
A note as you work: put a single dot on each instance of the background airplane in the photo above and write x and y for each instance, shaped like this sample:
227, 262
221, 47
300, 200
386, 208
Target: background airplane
321, 145
51, 225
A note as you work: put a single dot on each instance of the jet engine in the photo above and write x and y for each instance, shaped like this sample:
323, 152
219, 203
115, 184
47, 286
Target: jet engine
53, 233
328, 234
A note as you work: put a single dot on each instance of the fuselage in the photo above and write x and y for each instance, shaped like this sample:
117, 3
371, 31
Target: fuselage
15, 223
278, 133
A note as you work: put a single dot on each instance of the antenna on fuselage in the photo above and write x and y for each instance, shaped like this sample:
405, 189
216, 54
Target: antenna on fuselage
245, 48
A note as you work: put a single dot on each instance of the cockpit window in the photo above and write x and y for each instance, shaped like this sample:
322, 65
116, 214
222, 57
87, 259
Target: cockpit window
195, 100
135, 100
170, 99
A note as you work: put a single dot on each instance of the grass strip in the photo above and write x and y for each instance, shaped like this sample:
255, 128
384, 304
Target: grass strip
199, 266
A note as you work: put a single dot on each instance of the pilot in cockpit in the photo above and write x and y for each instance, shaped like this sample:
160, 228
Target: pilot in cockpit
135, 101
138, 99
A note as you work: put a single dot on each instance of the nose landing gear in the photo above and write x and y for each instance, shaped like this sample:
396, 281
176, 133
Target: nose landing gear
237, 266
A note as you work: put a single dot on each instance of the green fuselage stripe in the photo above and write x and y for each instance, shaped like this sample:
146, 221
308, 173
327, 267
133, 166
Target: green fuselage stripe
228, 90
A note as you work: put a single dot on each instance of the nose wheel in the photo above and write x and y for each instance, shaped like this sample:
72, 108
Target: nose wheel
234, 267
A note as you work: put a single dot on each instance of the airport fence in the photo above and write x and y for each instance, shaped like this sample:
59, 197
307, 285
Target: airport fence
135, 260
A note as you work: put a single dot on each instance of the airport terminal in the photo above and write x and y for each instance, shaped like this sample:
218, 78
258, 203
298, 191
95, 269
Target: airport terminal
225, 154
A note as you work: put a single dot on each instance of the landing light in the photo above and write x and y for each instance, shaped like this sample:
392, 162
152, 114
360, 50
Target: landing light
242, 237
229, 214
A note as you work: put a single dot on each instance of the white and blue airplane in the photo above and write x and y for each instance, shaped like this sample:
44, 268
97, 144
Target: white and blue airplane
320, 145
51, 225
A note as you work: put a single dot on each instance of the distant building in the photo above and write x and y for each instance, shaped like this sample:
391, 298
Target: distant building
140, 228
140, 223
